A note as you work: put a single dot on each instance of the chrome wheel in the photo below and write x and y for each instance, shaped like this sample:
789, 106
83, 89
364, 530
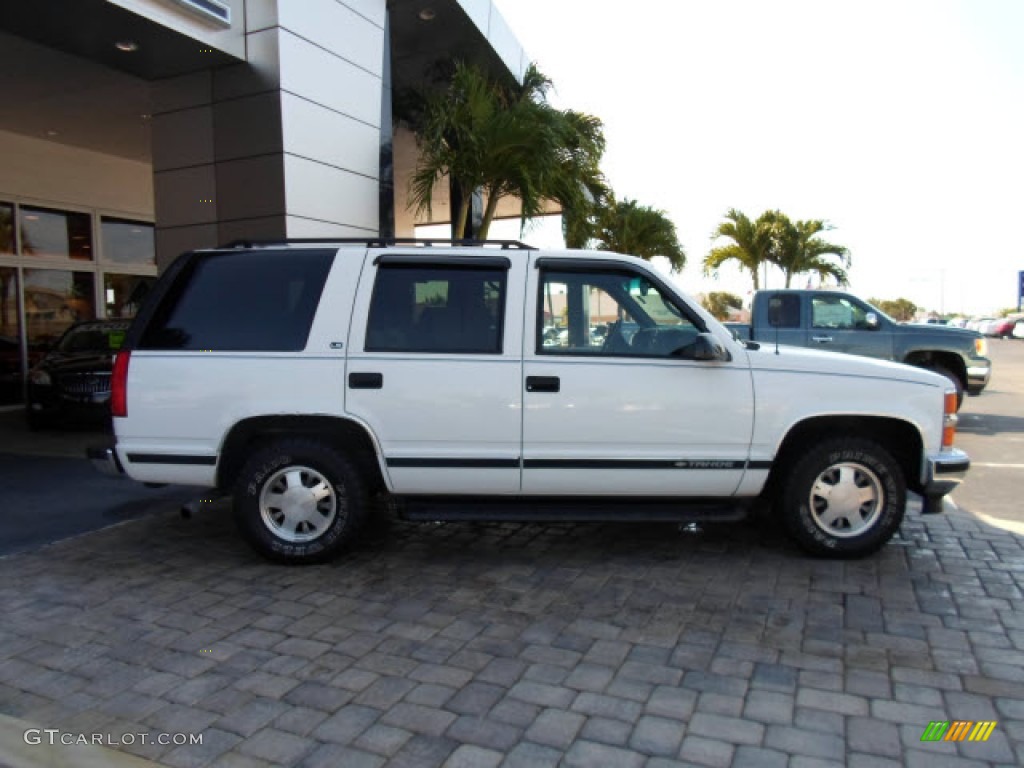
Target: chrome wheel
298, 504
846, 500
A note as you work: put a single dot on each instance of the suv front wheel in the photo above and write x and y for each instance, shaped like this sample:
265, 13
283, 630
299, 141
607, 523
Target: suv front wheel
299, 500
844, 498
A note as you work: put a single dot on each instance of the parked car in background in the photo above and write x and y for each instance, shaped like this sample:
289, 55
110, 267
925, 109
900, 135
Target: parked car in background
71, 384
1002, 328
840, 322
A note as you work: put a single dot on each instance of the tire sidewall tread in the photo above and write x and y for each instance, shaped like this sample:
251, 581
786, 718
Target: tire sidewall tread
339, 470
796, 512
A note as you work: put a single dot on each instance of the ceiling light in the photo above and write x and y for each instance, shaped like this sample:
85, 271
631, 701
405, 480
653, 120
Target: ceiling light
145, 116
427, 14
126, 46
51, 133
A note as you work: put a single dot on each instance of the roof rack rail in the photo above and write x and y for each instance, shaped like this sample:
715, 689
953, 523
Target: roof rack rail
381, 242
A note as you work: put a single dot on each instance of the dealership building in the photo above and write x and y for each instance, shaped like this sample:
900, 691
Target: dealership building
133, 130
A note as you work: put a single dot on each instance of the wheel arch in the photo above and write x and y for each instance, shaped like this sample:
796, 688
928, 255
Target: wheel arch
346, 435
926, 358
901, 438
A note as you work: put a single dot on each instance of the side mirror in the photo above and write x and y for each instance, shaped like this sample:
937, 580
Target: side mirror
871, 321
704, 347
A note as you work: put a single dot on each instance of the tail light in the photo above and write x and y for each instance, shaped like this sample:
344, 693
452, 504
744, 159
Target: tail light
949, 421
119, 384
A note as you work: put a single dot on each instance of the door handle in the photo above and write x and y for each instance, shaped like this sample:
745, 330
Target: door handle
365, 380
542, 384
822, 339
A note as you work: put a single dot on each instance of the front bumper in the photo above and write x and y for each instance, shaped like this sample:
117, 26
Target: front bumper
943, 472
979, 371
104, 459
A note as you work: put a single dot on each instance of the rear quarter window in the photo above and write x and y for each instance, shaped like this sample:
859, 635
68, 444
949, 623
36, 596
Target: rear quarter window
241, 301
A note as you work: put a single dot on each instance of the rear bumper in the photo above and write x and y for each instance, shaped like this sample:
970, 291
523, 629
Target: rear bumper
104, 459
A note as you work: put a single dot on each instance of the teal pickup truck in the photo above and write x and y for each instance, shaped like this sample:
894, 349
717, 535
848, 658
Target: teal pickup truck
840, 322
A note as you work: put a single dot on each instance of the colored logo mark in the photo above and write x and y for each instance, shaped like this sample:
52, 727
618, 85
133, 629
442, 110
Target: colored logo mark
959, 730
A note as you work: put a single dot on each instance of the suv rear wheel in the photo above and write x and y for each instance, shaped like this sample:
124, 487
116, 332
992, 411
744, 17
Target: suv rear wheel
844, 498
299, 500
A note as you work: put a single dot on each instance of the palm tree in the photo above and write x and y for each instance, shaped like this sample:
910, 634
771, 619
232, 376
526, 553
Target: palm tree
639, 230
798, 250
751, 245
506, 140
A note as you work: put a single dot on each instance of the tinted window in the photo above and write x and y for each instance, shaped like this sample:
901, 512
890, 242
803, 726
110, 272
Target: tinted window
93, 338
436, 309
128, 242
56, 234
248, 300
785, 310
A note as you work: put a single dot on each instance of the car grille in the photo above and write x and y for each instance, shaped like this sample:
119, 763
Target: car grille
85, 383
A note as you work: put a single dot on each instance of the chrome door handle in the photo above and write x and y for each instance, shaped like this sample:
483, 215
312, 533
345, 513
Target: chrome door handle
821, 339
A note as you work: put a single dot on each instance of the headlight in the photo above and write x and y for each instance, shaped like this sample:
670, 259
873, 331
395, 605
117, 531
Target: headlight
981, 347
40, 378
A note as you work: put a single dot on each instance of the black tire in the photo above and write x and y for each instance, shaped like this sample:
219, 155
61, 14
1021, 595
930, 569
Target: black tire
868, 470
319, 528
954, 380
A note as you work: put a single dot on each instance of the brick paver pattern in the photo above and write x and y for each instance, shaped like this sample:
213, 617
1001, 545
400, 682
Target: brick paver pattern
523, 645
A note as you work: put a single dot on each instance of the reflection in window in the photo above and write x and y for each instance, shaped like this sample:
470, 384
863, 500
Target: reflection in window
10, 334
128, 242
54, 299
609, 313
6, 228
123, 294
55, 234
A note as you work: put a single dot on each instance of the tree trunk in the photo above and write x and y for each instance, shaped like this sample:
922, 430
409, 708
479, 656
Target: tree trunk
462, 216
789, 276
489, 210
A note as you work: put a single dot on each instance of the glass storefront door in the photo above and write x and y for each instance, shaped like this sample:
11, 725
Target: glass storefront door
10, 338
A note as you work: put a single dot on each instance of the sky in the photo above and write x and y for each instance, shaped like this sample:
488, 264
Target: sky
900, 122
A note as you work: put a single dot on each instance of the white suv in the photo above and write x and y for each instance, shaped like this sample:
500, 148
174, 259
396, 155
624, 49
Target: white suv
307, 377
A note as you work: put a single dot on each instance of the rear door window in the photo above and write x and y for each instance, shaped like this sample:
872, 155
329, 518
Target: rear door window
242, 301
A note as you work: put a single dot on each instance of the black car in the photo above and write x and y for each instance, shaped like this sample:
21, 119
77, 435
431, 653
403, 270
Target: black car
71, 384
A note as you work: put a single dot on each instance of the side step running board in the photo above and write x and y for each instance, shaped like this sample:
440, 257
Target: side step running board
570, 510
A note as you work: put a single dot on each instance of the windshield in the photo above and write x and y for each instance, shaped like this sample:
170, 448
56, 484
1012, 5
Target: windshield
92, 338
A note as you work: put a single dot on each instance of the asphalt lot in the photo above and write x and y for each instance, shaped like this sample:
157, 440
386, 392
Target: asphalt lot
991, 430
526, 645
48, 491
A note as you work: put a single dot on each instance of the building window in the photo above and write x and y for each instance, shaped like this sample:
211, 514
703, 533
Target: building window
6, 229
123, 294
54, 300
55, 234
128, 242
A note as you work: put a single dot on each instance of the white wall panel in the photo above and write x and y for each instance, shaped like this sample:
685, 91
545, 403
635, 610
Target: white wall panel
260, 14
332, 82
479, 11
318, 191
185, 196
183, 138
262, 73
300, 227
374, 10
319, 133
337, 28
505, 44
